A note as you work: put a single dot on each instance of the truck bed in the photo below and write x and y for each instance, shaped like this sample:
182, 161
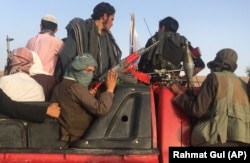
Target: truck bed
124, 135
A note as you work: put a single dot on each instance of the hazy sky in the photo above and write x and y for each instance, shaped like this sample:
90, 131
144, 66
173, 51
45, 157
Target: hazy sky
209, 24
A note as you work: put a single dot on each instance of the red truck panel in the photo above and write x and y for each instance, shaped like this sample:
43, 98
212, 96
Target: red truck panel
173, 126
74, 158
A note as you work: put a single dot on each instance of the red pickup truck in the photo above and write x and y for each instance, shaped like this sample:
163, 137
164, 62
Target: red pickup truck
140, 127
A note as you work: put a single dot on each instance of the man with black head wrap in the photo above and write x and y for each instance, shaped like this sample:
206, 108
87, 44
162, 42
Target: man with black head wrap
221, 107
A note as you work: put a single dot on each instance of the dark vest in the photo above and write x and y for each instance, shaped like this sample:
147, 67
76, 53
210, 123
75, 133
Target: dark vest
167, 55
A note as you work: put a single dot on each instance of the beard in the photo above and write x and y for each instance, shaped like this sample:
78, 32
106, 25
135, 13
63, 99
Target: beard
104, 23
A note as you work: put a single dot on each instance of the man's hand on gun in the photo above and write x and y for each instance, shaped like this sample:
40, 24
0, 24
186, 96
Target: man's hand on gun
110, 82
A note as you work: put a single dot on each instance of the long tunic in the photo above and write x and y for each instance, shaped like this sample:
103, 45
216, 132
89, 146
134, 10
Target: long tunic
48, 48
21, 87
78, 108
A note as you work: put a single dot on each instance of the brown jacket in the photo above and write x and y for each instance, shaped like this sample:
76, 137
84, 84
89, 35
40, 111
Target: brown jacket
78, 108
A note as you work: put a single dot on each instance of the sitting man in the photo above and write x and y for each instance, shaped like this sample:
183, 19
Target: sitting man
79, 105
18, 85
48, 47
221, 108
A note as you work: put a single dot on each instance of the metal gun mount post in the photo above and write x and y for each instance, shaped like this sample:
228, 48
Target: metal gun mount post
165, 77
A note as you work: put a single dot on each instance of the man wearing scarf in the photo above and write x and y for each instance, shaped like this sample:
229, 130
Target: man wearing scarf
18, 85
78, 104
91, 36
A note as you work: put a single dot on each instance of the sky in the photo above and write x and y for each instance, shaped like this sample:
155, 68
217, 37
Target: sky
210, 25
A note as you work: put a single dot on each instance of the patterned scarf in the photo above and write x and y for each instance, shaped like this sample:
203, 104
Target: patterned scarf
50, 32
21, 59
